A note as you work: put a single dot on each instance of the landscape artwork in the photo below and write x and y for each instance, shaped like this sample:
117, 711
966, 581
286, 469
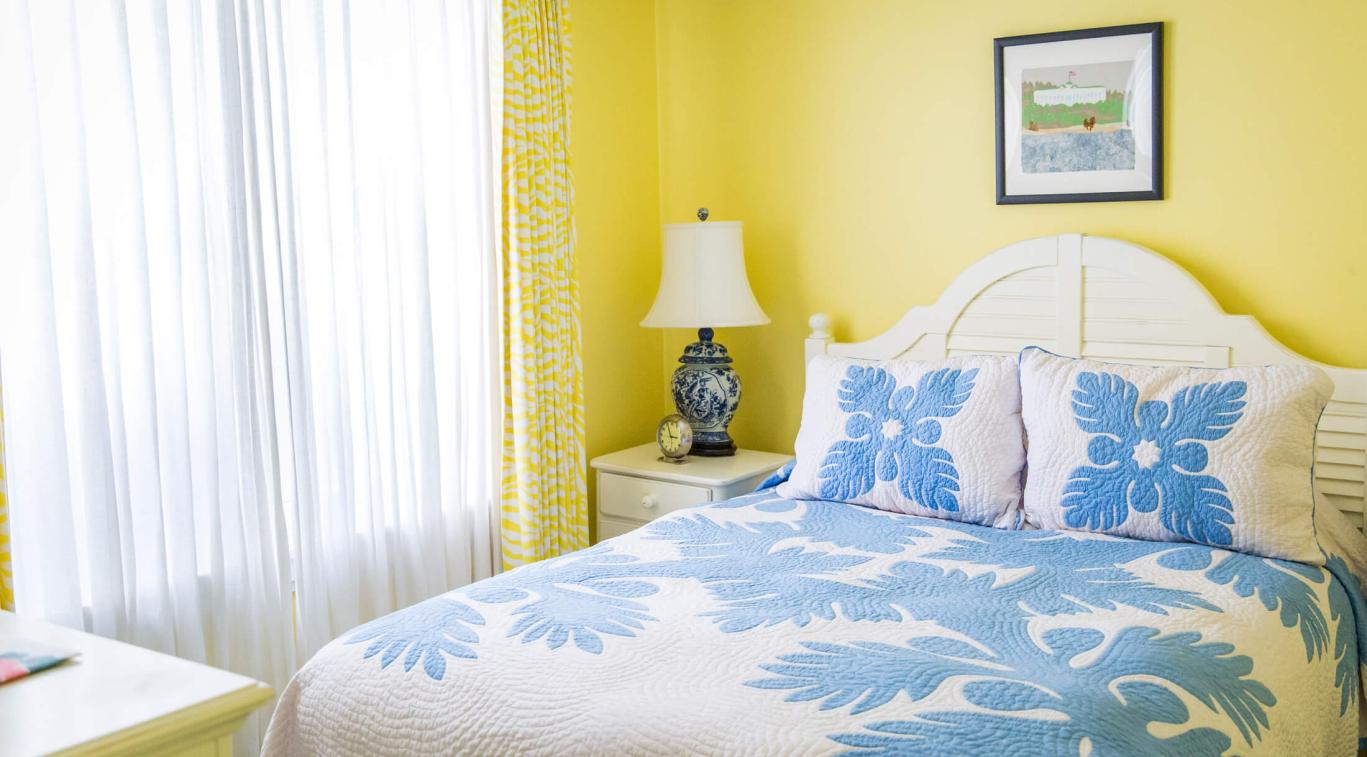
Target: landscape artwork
1073, 118
1079, 115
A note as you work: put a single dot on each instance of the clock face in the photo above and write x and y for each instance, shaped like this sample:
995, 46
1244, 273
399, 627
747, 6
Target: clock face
674, 436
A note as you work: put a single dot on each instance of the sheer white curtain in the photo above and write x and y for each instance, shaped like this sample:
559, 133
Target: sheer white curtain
389, 302
145, 492
247, 314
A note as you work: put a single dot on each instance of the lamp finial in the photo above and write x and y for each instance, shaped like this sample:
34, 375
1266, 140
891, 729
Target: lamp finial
702, 214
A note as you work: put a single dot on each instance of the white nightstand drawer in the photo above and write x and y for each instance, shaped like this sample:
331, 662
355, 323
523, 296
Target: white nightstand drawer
643, 498
610, 527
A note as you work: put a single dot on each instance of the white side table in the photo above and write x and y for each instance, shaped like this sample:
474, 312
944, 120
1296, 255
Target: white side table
635, 486
117, 699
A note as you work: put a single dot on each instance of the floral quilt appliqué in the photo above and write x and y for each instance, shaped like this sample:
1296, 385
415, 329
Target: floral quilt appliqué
1149, 456
892, 435
814, 626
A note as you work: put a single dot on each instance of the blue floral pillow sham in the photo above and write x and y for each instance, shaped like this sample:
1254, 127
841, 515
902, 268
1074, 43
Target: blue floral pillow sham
1217, 457
941, 439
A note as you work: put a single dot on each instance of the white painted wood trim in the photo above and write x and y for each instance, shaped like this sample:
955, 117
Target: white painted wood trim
820, 338
1112, 300
206, 728
116, 699
644, 462
1069, 309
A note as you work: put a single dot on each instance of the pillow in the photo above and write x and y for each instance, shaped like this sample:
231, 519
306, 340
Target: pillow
941, 439
1218, 457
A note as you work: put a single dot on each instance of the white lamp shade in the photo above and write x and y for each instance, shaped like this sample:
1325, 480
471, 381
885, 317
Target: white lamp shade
703, 281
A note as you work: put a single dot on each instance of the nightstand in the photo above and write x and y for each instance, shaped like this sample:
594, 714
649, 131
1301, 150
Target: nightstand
635, 486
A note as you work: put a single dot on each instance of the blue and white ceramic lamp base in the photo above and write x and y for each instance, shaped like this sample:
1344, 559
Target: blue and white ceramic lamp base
707, 392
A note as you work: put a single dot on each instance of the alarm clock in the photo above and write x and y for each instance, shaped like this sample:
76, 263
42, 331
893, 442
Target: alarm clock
675, 438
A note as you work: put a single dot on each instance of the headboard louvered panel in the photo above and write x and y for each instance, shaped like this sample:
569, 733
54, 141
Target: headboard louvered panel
1111, 300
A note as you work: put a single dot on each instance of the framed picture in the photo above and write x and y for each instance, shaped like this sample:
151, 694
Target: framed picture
1080, 115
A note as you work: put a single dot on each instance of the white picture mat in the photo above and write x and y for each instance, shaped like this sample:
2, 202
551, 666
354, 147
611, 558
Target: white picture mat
1018, 58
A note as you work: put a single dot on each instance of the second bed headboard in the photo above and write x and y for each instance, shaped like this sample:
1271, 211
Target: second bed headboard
1111, 300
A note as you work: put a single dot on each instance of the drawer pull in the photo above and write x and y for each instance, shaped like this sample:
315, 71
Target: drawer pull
649, 501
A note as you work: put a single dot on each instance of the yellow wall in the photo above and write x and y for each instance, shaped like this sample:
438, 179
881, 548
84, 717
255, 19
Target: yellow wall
855, 140
617, 217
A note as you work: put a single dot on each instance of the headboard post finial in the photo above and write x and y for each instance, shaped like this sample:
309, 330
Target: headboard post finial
820, 324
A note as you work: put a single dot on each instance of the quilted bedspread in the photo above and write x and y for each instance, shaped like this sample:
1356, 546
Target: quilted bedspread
768, 626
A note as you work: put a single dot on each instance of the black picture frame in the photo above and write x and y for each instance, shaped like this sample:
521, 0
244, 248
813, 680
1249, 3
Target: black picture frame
1155, 192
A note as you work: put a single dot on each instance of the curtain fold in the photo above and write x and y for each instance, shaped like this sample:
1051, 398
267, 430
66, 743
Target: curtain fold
137, 378
544, 492
388, 304
6, 576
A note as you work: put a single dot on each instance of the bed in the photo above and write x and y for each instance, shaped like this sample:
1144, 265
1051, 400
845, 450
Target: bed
764, 625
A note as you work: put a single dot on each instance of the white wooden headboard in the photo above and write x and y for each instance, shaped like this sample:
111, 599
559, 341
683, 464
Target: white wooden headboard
1111, 300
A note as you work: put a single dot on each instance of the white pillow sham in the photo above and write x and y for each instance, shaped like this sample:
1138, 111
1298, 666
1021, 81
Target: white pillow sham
942, 439
1222, 457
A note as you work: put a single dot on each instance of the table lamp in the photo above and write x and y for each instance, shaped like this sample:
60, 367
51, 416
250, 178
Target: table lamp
703, 285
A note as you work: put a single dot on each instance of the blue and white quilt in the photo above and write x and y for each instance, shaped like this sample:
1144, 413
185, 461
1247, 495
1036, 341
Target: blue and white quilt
762, 625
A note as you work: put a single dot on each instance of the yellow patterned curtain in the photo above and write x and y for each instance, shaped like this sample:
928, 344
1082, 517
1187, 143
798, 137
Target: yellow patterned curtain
6, 577
544, 493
